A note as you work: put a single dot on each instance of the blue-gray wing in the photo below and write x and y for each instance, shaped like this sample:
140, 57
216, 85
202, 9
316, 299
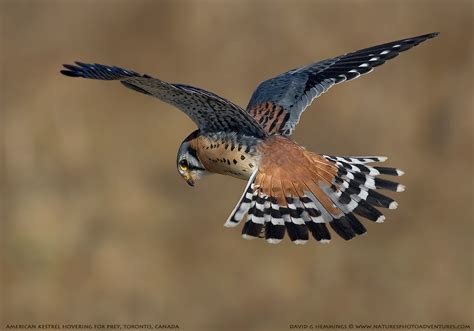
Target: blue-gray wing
277, 103
210, 112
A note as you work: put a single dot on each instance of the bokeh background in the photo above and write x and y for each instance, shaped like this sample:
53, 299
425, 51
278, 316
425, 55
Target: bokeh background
97, 226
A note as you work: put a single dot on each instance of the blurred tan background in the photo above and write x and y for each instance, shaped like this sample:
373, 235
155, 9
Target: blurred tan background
98, 227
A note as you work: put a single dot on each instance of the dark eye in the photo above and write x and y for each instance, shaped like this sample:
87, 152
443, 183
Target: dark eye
183, 164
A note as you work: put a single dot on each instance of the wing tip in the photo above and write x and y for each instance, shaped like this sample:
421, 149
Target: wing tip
98, 71
70, 73
71, 70
419, 39
432, 34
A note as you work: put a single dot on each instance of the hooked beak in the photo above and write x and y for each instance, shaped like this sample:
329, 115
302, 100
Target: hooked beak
189, 180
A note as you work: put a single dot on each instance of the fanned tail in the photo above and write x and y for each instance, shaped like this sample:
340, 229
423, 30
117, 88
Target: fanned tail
306, 196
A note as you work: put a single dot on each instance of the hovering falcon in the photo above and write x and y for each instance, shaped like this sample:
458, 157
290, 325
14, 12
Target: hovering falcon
289, 189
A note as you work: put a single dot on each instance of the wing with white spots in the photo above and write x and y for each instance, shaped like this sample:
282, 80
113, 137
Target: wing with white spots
277, 103
210, 112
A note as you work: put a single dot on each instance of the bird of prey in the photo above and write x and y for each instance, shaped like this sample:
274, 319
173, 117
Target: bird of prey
289, 189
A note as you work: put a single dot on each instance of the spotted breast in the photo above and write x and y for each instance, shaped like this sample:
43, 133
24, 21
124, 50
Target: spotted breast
228, 154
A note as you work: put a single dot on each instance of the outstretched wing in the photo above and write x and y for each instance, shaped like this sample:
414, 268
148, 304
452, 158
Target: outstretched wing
210, 112
277, 103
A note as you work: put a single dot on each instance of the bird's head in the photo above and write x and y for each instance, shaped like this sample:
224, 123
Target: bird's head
188, 164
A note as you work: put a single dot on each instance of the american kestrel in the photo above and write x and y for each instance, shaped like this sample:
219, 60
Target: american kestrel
289, 189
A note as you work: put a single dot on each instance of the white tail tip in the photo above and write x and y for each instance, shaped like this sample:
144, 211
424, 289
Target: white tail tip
380, 219
230, 224
401, 188
273, 241
300, 242
400, 172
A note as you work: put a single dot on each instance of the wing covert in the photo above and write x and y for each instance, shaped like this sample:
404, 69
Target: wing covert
210, 112
277, 103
